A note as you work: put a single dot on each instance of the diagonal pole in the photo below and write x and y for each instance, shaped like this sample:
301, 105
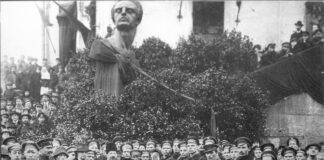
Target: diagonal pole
45, 26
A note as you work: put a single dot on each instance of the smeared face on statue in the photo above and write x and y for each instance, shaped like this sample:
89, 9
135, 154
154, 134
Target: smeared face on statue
125, 15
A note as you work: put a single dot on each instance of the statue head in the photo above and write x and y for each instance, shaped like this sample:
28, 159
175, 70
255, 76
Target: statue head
127, 14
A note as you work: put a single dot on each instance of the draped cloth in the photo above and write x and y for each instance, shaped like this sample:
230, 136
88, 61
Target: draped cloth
113, 67
296, 74
67, 32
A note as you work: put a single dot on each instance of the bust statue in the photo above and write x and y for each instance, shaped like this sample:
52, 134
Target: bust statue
113, 56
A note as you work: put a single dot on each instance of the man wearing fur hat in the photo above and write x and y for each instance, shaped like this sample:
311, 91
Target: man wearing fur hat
111, 151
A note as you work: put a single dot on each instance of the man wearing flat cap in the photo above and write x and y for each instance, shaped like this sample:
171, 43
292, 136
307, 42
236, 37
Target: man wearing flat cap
210, 151
5, 133
183, 150
55, 98
285, 50
126, 149
91, 155
256, 150
82, 152
4, 153
301, 154
150, 144
4, 118
312, 151
146, 155
244, 146
268, 155
114, 59
9, 141
15, 151
15, 119
192, 145
71, 152
166, 150
267, 147
46, 148
60, 153
30, 150
175, 147
209, 140
3, 102
25, 125
288, 153
136, 155
135, 144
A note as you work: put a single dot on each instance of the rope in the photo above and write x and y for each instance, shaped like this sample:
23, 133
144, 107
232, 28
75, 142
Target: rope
163, 85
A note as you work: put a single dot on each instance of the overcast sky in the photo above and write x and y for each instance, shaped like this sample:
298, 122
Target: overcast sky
21, 29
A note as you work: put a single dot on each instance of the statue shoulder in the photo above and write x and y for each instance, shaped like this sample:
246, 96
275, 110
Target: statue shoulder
102, 50
98, 42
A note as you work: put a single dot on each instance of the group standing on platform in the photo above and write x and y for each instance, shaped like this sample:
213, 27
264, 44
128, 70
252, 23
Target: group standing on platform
299, 40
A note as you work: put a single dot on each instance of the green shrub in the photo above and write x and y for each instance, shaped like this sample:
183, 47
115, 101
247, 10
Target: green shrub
214, 73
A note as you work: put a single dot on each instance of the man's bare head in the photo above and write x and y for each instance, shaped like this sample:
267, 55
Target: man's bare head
138, 10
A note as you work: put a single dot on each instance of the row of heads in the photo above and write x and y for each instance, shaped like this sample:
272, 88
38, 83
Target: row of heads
23, 99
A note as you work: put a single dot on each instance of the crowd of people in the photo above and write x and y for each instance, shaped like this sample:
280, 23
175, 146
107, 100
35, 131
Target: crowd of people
29, 76
299, 40
31, 96
22, 112
192, 148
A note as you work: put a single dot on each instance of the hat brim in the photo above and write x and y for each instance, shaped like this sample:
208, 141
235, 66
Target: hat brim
299, 24
60, 153
26, 115
5, 141
315, 145
210, 150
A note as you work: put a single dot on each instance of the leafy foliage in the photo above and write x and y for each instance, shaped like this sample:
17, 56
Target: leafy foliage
238, 102
214, 73
154, 54
230, 51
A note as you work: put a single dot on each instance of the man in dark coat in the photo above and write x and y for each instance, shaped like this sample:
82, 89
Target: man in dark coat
15, 151
270, 55
305, 41
167, 150
35, 84
46, 148
15, 121
10, 91
285, 50
183, 151
192, 145
296, 46
57, 66
298, 33
288, 153
244, 146
25, 126
312, 151
210, 151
